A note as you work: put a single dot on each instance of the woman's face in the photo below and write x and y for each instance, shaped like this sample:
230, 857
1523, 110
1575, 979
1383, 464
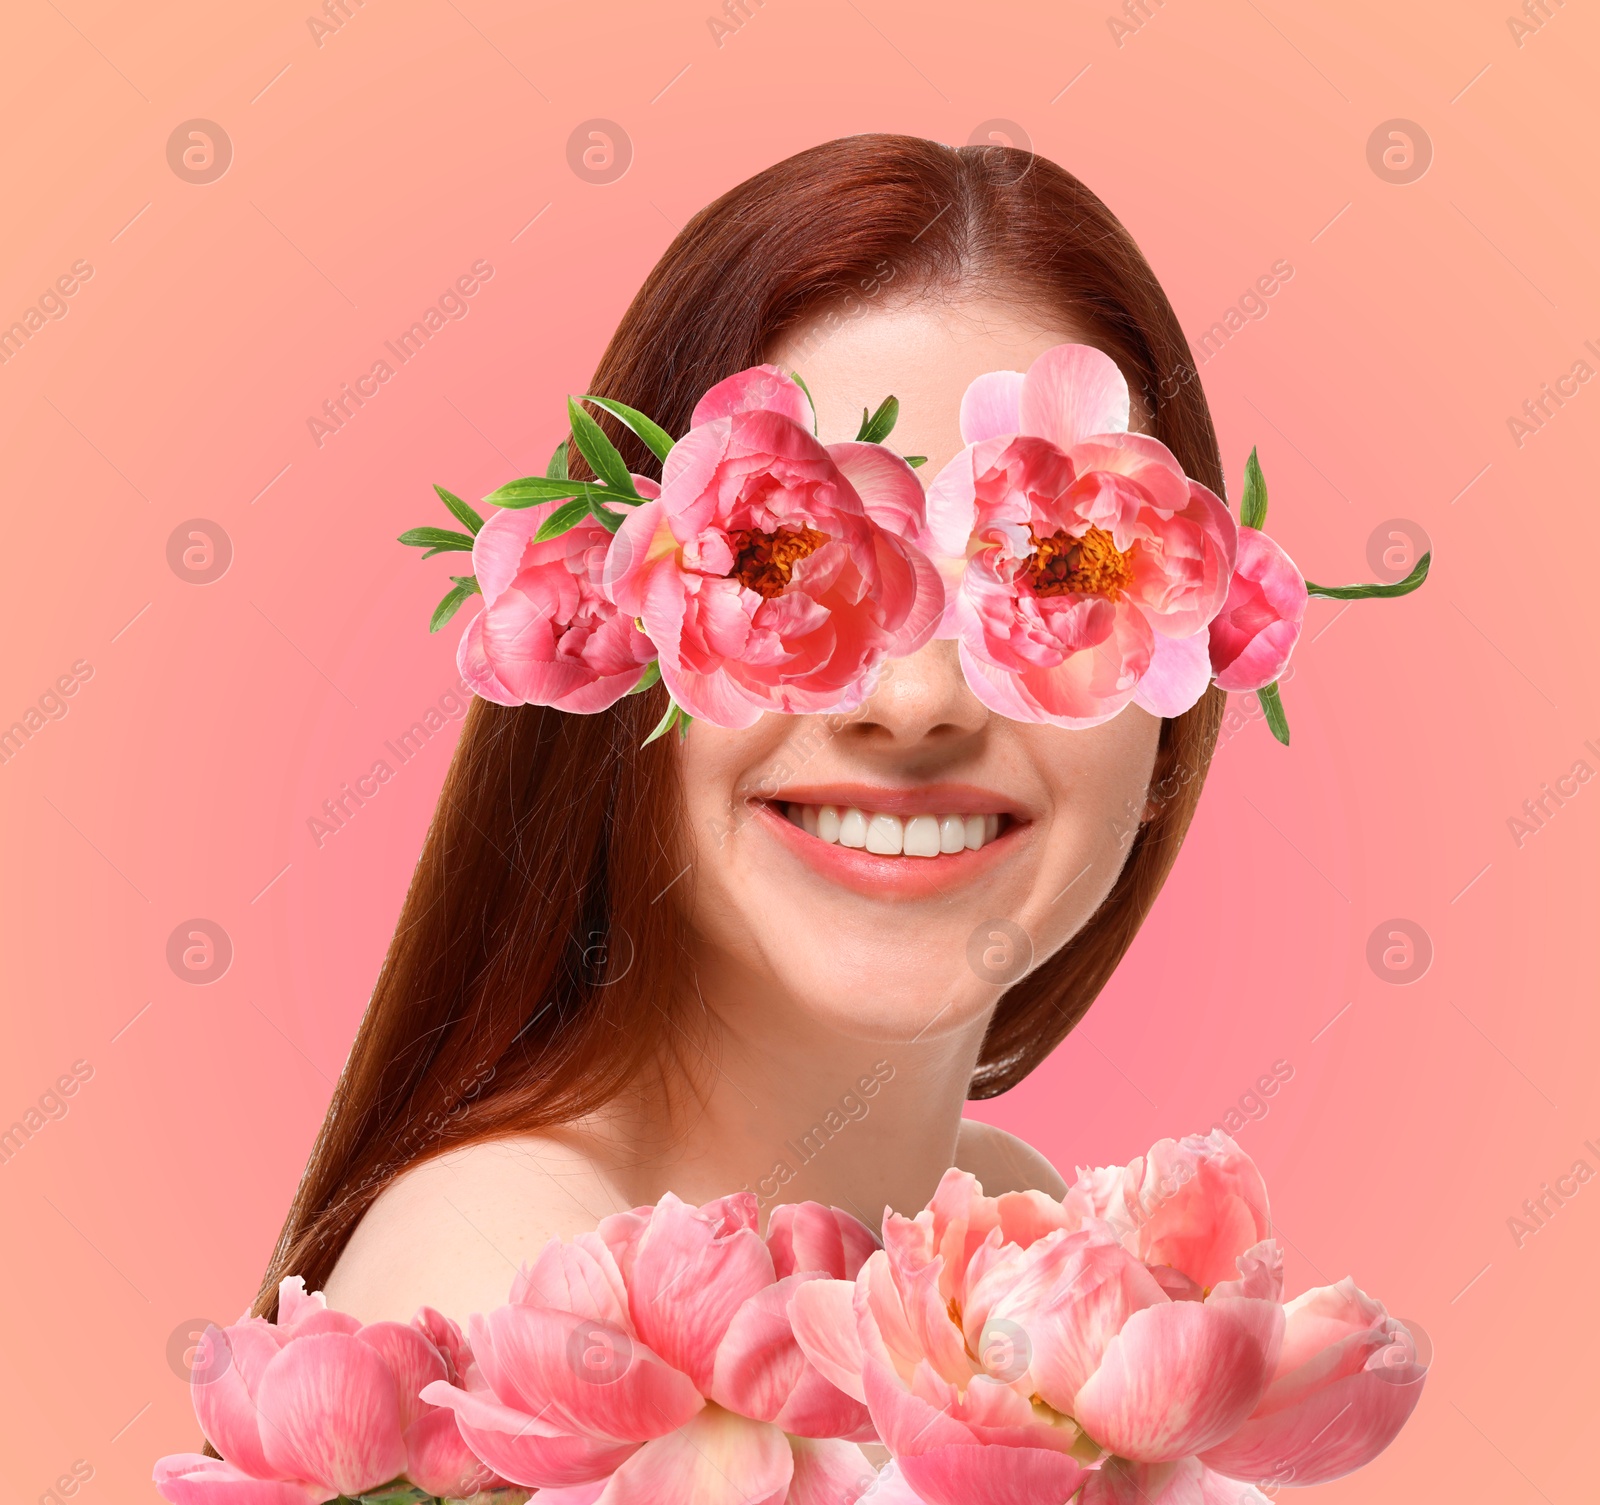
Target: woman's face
895, 947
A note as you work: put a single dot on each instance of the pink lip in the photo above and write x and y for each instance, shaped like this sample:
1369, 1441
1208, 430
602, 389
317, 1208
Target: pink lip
878, 877
923, 799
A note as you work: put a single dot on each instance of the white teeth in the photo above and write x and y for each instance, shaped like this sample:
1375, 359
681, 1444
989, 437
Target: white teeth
889, 835
922, 836
886, 835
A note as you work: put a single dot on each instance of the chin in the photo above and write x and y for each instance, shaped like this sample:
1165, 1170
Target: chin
886, 999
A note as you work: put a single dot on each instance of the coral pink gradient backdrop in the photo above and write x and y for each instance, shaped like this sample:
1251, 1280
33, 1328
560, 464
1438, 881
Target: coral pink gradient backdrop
373, 165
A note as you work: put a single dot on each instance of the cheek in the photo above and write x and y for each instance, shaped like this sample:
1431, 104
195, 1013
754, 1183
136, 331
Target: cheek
1099, 782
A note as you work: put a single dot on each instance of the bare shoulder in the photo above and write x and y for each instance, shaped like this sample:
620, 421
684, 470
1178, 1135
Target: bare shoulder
1002, 1162
452, 1232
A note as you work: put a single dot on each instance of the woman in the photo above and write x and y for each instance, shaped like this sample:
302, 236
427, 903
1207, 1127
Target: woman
623, 969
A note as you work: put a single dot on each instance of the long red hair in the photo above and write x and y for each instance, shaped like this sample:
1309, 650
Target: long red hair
533, 973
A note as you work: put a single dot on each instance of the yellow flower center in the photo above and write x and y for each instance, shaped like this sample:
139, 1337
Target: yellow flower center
764, 561
1089, 566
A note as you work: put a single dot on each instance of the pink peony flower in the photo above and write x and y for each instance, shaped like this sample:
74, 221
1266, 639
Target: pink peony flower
1253, 635
1128, 1339
655, 1355
317, 1405
772, 572
548, 634
1084, 552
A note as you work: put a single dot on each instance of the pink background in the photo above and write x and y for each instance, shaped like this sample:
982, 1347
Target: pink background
372, 170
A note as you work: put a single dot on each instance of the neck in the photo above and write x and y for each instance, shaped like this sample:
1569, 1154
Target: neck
769, 1099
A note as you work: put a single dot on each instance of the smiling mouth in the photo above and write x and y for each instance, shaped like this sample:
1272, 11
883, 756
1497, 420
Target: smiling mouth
884, 834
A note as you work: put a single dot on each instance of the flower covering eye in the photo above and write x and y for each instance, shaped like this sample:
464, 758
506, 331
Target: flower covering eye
1074, 563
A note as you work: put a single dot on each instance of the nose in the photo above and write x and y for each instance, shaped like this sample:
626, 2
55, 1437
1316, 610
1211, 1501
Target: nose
921, 702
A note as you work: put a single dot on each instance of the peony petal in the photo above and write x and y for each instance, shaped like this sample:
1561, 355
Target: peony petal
330, 1414
888, 487
194, 1479
991, 406
1180, 1377
831, 1473
579, 1277
767, 388
1072, 393
438, 1459
822, 1315
891, 1488
475, 668
527, 1450
689, 1278
1328, 1434
501, 543
223, 1383
1099, 1290
809, 1236
715, 1459
1349, 1376
762, 1372
411, 1359
1118, 1481
972, 1474
951, 505
579, 1373
1180, 670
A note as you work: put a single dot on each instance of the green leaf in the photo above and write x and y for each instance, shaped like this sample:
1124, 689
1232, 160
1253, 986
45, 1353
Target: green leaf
1272, 704
1367, 592
610, 521
1253, 504
462, 513
660, 442
398, 1492
650, 677
529, 491
665, 724
799, 381
880, 425
436, 540
556, 470
915, 460
568, 515
449, 606
599, 451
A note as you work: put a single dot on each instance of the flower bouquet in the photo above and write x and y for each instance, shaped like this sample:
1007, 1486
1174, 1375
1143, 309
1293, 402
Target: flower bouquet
1127, 1344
